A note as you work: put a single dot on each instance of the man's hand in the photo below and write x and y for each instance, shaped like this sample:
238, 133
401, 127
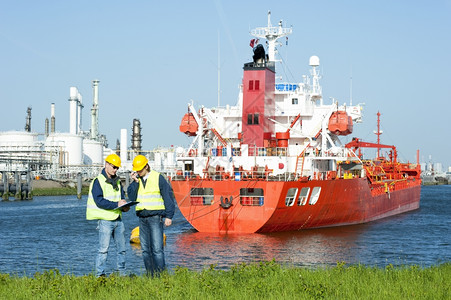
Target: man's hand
134, 176
167, 222
122, 202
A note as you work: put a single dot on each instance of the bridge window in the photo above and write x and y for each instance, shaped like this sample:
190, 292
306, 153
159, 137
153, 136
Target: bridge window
294, 100
290, 199
315, 195
253, 119
201, 196
256, 116
251, 197
254, 85
303, 196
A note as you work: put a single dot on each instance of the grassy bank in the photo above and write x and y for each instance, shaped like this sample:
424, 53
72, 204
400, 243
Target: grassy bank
253, 281
60, 191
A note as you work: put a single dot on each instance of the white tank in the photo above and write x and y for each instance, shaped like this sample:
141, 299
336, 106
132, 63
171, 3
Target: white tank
19, 141
12, 137
70, 146
92, 152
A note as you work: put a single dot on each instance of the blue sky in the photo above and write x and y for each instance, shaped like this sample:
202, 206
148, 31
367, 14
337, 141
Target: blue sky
153, 57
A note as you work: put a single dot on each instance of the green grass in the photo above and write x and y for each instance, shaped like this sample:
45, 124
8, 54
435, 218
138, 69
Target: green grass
60, 191
267, 280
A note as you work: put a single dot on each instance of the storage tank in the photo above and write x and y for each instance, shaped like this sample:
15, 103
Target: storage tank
92, 152
71, 147
11, 137
19, 141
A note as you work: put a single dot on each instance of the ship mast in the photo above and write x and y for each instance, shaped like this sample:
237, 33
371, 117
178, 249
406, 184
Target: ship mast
271, 34
378, 133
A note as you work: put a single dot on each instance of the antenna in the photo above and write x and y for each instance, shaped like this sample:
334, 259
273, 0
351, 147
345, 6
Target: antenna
378, 133
271, 34
219, 73
350, 90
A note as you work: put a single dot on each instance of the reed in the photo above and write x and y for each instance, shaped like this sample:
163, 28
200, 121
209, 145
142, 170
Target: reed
266, 280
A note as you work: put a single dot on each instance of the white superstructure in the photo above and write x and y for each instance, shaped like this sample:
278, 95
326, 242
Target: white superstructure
300, 118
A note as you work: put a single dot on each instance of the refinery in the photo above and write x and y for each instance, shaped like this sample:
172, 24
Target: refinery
63, 156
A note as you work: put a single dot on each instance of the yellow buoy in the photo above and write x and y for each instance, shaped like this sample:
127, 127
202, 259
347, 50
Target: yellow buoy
134, 236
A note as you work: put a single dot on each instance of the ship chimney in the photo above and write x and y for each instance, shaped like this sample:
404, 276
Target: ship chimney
95, 110
136, 135
52, 117
28, 120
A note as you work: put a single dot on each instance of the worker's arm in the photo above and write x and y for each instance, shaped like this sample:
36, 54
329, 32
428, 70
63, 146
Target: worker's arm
132, 191
101, 202
168, 198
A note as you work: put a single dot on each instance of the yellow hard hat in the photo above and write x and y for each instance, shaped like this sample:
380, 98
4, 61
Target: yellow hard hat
139, 162
114, 159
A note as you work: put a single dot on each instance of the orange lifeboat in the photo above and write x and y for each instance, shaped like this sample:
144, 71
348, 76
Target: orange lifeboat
189, 125
340, 123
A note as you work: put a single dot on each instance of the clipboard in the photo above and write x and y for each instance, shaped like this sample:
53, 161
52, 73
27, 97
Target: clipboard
128, 204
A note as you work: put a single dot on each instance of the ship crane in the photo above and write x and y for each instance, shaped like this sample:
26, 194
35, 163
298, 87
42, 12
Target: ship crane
356, 143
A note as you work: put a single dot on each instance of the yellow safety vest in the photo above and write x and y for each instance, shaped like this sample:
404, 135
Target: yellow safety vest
149, 197
93, 212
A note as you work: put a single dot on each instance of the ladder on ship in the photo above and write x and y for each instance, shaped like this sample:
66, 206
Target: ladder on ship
300, 165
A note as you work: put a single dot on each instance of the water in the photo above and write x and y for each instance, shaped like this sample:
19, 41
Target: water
51, 232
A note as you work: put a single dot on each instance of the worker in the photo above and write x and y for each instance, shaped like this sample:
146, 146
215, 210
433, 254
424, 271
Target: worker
106, 194
155, 209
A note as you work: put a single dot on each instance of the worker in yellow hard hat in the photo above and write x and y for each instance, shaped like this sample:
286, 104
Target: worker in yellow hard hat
155, 209
105, 196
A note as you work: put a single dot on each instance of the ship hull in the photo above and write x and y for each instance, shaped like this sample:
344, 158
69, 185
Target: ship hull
339, 202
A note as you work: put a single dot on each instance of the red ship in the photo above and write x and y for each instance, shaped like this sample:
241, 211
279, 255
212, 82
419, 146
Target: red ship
275, 161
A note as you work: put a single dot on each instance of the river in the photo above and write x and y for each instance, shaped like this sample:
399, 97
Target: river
51, 232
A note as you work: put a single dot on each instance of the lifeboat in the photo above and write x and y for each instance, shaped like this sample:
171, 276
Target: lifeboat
340, 123
189, 125
134, 236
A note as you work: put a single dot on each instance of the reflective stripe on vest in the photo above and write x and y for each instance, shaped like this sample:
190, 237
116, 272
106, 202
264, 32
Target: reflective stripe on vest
149, 197
93, 212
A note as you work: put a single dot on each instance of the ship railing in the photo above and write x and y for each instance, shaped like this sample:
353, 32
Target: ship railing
236, 151
260, 174
252, 151
389, 186
268, 151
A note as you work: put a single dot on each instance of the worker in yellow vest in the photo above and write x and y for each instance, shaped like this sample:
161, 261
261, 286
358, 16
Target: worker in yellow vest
155, 210
106, 194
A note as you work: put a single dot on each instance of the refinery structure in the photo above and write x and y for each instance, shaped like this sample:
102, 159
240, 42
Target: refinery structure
27, 155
